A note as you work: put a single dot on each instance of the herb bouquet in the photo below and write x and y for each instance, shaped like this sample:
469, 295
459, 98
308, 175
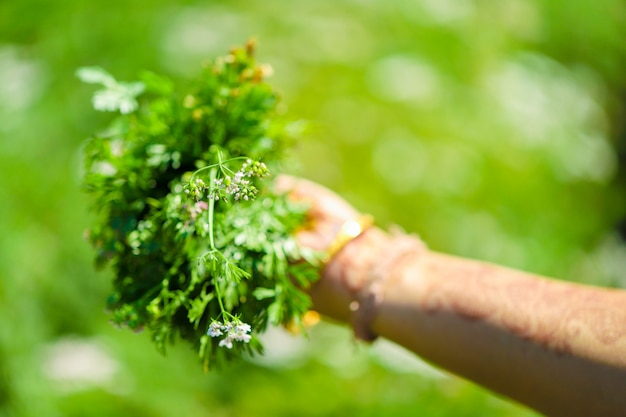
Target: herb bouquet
198, 247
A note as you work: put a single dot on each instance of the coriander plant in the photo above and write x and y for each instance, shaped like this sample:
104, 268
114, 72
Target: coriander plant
199, 248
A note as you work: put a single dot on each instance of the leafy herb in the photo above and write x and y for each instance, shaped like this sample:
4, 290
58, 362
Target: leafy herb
199, 248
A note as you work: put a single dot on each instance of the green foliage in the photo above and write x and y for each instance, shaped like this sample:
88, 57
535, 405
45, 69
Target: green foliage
199, 248
475, 124
115, 95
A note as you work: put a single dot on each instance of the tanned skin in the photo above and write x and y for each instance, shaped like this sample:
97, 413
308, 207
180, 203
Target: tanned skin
557, 347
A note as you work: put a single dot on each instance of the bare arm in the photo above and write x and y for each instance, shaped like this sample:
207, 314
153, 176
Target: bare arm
557, 347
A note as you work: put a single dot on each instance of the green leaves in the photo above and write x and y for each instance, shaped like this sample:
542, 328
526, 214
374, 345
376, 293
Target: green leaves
261, 293
192, 236
116, 96
156, 83
95, 75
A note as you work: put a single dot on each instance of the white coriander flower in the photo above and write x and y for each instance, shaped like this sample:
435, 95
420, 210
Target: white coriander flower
245, 338
215, 329
234, 331
243, 327
227, 342
241, 332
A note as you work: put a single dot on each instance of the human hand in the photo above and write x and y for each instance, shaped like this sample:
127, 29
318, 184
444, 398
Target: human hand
328, 211
348, 270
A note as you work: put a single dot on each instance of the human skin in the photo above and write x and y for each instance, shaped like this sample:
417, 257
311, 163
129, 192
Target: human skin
554, 346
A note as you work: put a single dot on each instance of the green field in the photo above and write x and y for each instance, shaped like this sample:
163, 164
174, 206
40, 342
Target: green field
495, 130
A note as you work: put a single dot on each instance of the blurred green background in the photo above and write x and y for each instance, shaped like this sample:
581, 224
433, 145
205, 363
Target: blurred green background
494, 129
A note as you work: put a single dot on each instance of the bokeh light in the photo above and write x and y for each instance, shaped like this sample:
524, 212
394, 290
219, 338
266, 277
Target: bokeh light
494, 130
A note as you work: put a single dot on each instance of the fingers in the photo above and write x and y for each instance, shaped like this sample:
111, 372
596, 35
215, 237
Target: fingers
285, 183
327, 212
325, 204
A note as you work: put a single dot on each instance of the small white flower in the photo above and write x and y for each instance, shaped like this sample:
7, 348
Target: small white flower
245, 338
243, 327
227, 342
240, 332
215, 329
234, 331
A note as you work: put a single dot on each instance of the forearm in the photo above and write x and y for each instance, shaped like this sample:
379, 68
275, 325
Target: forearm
557, 347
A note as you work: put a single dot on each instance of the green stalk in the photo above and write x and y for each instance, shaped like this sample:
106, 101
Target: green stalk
219, 164
210, 214
219, 298
212, 176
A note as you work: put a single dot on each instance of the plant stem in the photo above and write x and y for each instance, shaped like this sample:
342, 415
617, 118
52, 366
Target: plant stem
210, 214
212, 176
219, 297
219, 164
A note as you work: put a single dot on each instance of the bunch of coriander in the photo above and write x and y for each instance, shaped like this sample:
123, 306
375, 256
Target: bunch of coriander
199, 248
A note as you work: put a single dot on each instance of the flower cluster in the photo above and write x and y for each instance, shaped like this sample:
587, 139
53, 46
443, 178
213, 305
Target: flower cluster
198, 260
254, 169
195, 188
198, 208
239, 185
234, 331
